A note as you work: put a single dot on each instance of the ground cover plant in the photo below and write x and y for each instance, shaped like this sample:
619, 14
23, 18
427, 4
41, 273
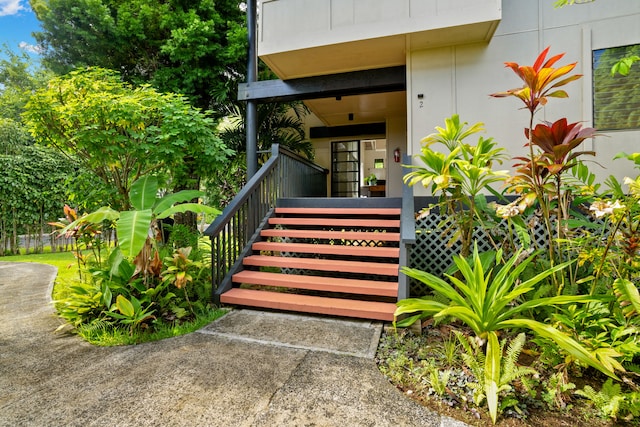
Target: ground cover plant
548, 333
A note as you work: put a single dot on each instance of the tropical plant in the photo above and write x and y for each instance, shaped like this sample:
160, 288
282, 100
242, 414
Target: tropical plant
179, 271
494, 371
438, 380
487, 298
611, 402
85, 233
82, 303
539, 177
460, 176
137, 230
557, 390
131, 312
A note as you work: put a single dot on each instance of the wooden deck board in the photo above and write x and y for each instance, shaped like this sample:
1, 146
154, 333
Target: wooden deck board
336, 235
310, 304
322, 265
337, 222
339, 211
318, 283
310, 248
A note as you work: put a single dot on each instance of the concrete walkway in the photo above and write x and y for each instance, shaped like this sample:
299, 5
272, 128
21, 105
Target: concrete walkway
248, 368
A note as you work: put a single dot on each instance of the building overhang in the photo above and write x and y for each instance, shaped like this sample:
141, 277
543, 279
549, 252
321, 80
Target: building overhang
302, 38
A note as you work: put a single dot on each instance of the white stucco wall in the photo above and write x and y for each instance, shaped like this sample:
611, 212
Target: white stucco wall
459, 79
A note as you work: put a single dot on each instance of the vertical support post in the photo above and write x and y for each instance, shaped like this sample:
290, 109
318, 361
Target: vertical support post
407, 231
251, 121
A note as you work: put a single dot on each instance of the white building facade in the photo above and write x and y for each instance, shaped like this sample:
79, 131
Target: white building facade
453, 52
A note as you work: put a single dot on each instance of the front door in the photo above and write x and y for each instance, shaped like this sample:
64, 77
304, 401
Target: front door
345, 169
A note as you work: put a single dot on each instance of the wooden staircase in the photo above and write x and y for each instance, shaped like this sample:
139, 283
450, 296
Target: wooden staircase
340, 261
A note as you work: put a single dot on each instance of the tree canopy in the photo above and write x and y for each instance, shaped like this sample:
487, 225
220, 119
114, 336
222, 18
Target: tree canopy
19, 77
187, 47
121, 133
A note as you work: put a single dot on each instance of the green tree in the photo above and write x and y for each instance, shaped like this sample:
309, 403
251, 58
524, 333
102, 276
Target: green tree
32, 193
19, 77
186, 47
13, 137
121, 133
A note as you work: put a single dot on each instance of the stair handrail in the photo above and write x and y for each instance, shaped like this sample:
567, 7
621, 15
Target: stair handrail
407, 230
284, 174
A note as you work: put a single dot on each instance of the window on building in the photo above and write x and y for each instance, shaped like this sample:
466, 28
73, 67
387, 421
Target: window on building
616, 99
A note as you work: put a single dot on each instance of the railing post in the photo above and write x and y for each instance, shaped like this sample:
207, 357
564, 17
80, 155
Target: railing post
407, 232
251, 121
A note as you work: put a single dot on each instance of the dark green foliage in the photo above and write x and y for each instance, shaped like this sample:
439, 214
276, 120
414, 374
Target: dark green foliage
32, 193
181, 236
190, 48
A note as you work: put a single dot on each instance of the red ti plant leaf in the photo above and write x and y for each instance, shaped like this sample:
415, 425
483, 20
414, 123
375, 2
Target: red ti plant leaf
557, 141
540, 80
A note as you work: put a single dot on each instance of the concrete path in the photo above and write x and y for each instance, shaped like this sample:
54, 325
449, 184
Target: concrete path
248, 368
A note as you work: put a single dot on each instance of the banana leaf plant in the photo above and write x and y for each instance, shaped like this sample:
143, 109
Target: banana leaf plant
136, 229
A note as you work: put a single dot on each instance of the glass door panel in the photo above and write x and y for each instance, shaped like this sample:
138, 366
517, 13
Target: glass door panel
345, 169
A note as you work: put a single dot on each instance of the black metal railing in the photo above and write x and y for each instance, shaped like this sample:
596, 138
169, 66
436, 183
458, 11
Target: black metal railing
407, 231
284, 174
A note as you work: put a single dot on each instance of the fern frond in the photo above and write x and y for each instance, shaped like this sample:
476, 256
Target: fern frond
511, 370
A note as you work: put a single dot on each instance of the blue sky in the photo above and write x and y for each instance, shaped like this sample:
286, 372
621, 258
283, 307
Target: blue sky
17, 22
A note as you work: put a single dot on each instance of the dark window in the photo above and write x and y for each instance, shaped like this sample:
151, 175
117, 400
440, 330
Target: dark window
616, 99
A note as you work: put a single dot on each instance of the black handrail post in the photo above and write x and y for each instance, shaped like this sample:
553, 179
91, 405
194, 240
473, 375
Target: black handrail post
251, 121
407, 231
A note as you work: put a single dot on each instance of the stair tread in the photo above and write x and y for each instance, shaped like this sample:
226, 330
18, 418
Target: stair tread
310, 304
337, 222
339, 211
322, 234
318, 283
363, 267
373, 251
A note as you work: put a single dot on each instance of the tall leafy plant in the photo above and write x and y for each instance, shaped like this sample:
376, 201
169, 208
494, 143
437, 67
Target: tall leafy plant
460, 175
551, 145
137, 229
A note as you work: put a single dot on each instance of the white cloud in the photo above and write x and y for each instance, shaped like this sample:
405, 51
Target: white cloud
11, 7
31, 48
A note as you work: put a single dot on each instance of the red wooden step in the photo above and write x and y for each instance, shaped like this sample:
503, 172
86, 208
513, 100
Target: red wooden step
318, 283
321, 234
310, 248
322, 264
337, 222
339, 211
310, 304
